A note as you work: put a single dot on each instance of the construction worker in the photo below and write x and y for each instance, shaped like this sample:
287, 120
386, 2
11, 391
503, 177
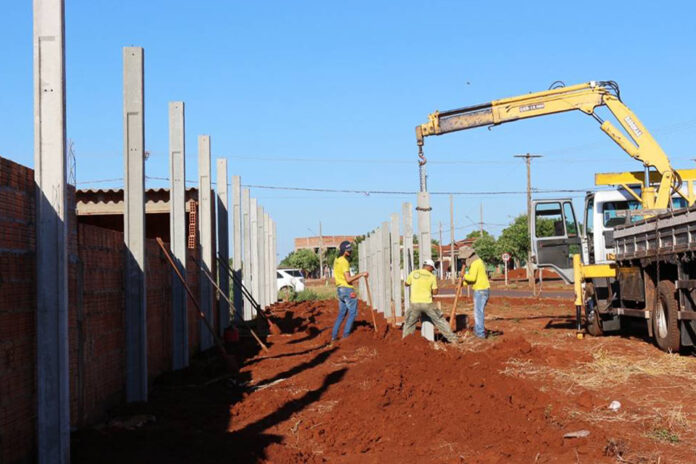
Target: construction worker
477, 277
423, 286
347, 298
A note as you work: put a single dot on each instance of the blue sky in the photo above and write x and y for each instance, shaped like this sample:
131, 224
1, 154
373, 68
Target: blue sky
327, 94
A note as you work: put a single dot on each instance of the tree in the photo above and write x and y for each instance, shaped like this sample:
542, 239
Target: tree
330, 256
486, 248
515, 239
477, 233
304, 259
355, 254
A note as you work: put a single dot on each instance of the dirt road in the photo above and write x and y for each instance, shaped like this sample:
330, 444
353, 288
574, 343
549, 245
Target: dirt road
374, 398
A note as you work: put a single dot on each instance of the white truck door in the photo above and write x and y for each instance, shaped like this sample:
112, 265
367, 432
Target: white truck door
555, 236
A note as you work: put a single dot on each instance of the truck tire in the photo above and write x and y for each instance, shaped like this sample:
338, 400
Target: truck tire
665, 322
594, 324
593, 321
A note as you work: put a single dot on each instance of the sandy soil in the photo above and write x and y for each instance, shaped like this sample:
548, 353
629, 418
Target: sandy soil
374, 397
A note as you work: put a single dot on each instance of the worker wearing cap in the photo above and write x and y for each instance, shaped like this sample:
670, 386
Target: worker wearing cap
423, 286
347, 298
477, 277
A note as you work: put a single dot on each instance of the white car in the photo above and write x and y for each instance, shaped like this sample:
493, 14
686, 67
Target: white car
290, 279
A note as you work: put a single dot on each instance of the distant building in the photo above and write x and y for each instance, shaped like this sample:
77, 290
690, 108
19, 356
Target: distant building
444, 261
327, 242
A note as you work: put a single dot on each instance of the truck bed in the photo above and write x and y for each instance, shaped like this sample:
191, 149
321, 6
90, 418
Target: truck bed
665, 234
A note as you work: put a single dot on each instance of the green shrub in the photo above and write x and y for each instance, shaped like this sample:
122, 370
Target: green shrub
304, 295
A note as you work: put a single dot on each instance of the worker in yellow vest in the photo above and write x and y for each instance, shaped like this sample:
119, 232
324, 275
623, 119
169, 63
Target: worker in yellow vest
345, 292
477, 277
423, 285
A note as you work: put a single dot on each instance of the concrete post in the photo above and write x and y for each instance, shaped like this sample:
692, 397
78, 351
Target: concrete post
254, 242
261, 245
274, 260
374, 267
378, 293
424, 248
52, 367
396, 264
205, 234
178, 232
386, 270
424, 238
237, 245
365, 249
134, 223
223, 239
246, 251
270, 278
407, 213
369, 263
361, 268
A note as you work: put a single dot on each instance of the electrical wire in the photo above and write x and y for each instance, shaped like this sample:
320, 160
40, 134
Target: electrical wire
365, 192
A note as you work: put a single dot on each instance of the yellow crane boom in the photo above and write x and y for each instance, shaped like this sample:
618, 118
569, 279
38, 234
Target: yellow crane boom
583, 97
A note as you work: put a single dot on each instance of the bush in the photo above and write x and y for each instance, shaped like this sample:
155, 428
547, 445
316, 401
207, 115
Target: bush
304, 295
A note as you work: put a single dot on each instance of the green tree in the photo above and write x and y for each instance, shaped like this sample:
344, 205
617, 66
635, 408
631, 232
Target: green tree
515, 239
304, 259
330, 256
477, 233
486, 248
355, 254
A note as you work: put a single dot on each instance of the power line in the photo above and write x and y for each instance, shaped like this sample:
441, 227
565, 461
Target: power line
365, 192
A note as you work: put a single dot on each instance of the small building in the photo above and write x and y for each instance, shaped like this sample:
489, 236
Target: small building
326, 242
104, 208
444, 261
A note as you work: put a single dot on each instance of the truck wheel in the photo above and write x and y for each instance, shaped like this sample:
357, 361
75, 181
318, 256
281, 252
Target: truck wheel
593, 320
665, 322
594, 324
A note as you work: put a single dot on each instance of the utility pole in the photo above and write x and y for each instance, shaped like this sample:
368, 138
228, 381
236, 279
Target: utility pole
481, 219
321, 253
442, 275
453, 262
530, 270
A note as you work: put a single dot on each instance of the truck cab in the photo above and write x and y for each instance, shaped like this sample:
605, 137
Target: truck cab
557, 235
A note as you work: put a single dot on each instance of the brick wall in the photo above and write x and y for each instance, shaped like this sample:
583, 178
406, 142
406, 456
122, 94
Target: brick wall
96, 316
17, 303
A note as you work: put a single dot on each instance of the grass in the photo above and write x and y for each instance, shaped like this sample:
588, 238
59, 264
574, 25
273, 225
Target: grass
663, 434
323, 292
311, 293
607, 369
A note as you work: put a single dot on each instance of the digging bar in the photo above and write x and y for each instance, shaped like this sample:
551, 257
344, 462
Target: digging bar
231, 363
245, 291
222, 294
369, 299
453, 314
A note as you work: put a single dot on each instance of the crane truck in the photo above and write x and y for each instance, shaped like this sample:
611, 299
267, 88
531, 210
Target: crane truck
635, 256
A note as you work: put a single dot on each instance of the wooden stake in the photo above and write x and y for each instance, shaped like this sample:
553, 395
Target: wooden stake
274, 329
231, 363
369, 299
453, 314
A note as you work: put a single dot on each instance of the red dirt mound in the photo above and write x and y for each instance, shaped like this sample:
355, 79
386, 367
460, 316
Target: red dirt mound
371, 398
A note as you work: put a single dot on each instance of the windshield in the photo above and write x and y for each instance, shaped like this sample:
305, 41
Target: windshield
614, 211
294, 272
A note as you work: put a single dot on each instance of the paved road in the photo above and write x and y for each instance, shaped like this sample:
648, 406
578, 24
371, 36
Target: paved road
446, 292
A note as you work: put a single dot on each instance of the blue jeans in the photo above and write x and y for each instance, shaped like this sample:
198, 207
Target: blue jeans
480, 300
346, 304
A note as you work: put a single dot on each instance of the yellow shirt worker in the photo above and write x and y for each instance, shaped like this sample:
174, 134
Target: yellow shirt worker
479, 279
423, 286
345, 292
